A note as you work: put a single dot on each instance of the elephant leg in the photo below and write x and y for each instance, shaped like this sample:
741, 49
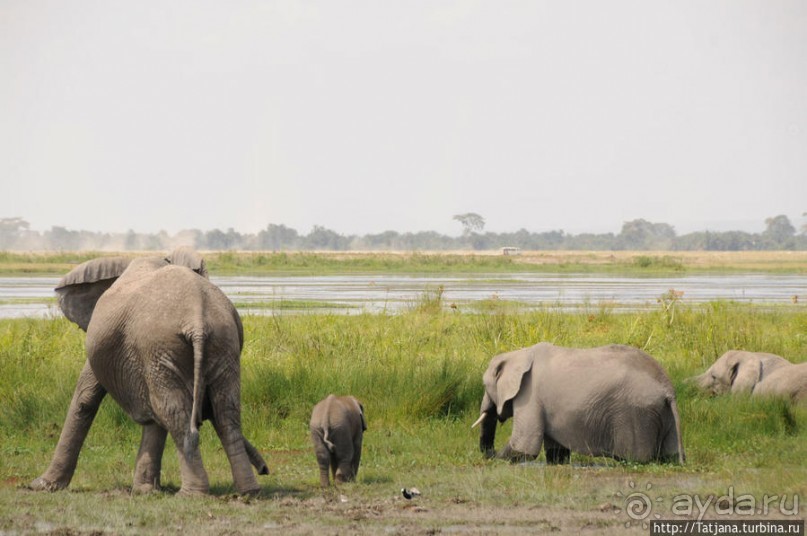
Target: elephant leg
255, 458
555, 452
86, 400
173, 409
192, 471
324, 460
344, 462
149, 459
356, 457
227, 423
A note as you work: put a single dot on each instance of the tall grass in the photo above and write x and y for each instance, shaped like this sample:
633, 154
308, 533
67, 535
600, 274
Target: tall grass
418, 374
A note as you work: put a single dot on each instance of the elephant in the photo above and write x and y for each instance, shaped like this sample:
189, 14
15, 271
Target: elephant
785, 382
612, 401
738, 371
165, 343
337, 426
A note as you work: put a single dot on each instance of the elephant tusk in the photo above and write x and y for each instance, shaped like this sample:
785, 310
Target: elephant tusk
479, 420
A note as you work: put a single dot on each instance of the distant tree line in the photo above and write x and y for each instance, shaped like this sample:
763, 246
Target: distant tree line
779, 234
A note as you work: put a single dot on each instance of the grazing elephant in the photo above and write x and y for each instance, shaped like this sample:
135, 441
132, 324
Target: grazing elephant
789, 382
337, 425
738, 371
609, 401
166, 344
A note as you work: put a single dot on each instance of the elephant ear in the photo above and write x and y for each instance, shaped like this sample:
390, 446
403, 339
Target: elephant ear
80, 289
745, 373
509, 373
186, 256
360, 408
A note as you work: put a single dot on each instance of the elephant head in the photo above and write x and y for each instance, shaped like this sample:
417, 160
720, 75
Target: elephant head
80, 289
737, 371
187, 256
503, 390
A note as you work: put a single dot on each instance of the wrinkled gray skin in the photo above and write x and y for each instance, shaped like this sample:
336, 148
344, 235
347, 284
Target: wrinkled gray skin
337, 426
738, 371
757, 373
785, 382
609, 401
166, 344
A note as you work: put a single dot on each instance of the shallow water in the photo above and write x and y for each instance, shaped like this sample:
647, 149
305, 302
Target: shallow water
28, 296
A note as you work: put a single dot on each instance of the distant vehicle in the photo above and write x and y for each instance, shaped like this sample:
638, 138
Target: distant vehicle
510, 250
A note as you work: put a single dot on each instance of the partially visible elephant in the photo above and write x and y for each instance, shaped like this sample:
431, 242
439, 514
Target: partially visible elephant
612, 401
788, 382
738, 371
166, 344
337, 427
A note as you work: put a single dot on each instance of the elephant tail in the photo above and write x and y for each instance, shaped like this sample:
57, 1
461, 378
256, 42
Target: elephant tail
679, 440
192, 439
326, 428
328, 443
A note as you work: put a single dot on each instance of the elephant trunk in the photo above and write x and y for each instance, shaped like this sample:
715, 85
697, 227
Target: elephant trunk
487, 434
701, 382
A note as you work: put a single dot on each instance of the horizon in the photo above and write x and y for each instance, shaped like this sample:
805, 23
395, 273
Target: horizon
746, 226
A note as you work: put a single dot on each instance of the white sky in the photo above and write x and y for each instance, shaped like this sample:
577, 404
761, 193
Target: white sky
376, 115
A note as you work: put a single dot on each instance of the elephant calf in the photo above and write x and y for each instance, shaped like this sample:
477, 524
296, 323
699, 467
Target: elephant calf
337, 425
757, 373
609, 401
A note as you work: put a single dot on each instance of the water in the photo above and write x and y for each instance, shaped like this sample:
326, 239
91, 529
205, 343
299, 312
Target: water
29, 296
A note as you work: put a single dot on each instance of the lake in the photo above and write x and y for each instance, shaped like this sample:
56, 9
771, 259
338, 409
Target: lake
32, 296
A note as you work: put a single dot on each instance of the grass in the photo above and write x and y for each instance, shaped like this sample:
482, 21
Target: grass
292, 305
418, 374
320, 263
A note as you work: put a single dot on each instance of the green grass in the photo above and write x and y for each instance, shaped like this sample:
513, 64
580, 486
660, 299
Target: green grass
308, 263
418, 374
293, 305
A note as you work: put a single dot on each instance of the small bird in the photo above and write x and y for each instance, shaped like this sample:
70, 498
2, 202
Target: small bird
410, 493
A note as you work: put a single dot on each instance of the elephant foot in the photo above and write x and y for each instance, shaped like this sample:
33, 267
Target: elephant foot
251, 492
145, 488
192, 492
513, 456
43, 484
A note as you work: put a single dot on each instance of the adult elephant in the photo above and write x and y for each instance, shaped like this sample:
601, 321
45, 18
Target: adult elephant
609, 401
166, 344
738, 371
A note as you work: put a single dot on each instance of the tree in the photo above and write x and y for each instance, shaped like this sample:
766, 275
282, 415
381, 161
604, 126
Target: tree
277, 237
11, 229
322, 238
642, 234
471, 222
779, 229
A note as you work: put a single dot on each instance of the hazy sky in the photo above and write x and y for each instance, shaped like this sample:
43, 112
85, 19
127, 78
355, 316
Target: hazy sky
376, 115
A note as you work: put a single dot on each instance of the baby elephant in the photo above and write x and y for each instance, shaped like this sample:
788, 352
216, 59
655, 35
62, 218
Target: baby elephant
337, 425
